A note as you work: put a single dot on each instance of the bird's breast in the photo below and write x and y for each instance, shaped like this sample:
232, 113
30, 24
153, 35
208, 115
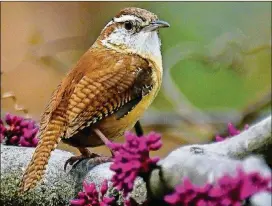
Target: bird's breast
114, 127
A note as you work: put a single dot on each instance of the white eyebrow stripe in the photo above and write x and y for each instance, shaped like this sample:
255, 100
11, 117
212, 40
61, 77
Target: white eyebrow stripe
124, 18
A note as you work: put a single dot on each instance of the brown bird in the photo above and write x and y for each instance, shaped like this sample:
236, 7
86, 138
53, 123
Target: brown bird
106, 93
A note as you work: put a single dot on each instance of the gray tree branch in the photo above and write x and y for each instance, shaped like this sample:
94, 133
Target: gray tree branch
201, 163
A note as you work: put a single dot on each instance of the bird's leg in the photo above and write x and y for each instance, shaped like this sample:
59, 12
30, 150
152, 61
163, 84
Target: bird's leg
138, 129
101, 159
96, 158
85, 153
103, 138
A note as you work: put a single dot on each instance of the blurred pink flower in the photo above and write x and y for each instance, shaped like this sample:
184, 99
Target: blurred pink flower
91, 197
232, 130
2, 131
20, 131
131, 159
227, 191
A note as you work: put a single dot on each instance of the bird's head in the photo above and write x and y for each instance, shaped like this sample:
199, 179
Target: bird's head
134, 30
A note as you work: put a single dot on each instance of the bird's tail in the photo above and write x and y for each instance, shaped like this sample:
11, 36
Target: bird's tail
49, 139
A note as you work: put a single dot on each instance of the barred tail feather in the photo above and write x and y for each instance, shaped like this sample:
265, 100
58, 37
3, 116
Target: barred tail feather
49, 139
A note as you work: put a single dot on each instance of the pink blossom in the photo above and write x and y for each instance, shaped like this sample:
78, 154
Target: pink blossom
2, 131
228, 190
91, 197
131, 159
20, 131
232, 130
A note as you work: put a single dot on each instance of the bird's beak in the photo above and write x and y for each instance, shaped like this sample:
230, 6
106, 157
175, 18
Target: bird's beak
155, 25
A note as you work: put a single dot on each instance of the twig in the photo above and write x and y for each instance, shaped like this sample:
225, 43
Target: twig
17, 107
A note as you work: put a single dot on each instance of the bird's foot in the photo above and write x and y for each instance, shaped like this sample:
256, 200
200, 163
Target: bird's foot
99, 160
75, 160
86, 154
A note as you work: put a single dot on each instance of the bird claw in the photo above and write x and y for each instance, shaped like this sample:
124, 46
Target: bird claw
99, 160
75, 160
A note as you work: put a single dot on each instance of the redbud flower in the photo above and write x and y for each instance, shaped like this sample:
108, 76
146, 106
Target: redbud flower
21, 131
91, 197
2, 131
232, 130
131, 159
228, 190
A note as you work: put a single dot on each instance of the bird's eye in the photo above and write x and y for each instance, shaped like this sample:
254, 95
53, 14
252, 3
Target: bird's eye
128, 25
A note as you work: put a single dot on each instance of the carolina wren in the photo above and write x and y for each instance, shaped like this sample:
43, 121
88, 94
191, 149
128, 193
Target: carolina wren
107, 91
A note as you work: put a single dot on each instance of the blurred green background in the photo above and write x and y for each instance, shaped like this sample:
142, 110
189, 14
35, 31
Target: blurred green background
216, 55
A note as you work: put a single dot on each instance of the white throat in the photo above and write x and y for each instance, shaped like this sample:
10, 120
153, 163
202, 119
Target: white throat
145, 44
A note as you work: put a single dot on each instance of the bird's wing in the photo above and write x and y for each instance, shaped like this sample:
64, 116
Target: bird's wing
116, 88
